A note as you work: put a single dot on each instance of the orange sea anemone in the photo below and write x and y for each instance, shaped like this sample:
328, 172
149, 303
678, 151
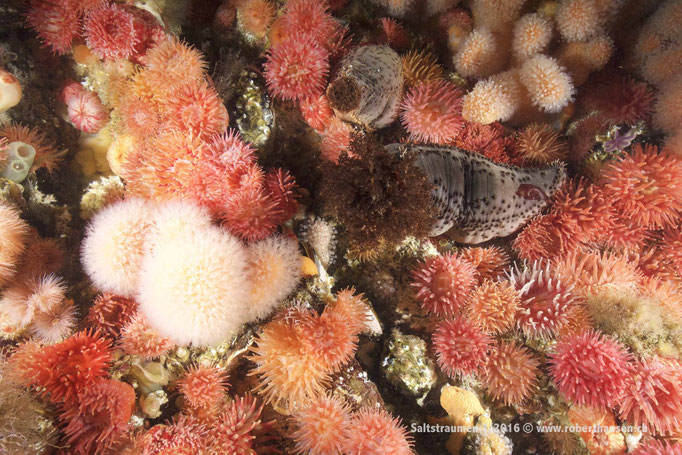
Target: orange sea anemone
431, 111
511, 373
538, 144
493, 305
461, 346
490, 262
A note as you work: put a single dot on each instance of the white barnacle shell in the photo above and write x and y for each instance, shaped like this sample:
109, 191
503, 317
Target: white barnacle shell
367, 86
478, 199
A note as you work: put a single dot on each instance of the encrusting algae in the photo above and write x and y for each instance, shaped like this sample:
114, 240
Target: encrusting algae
340, 227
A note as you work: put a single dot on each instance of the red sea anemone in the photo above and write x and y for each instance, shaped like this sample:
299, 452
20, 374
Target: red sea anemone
493, 305
654, 399
376, 432
64, 369
202, 386
432, 112
316, 112
647, 185
56, 22
13, 235
100, 416
443, 283
297, 68
461, 346
115, 31
488, 140
393, 33
321, 426
545, 300
510, 373
110, 32
282, 188
590, 369
621, 99
252, 214
46, 154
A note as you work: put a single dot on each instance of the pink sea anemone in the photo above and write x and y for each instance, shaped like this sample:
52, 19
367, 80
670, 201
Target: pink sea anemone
591, 369
114, 245
432, 112
490, 262
116, 31
545, 300
297, 68
442, 283
654, 398
87, 112
285, 375
511, 373
461, 346
312, 18
653, 446
376, 432
317, 112
240, 429
110, 31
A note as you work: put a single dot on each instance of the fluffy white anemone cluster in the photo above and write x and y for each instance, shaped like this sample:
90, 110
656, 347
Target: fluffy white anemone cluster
194, 281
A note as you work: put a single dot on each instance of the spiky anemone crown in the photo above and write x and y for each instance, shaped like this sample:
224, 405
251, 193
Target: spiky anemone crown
461, 346
297, 352
591, 369
443, 283
545, 300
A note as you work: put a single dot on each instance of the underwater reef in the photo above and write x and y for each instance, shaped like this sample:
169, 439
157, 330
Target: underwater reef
340, 227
